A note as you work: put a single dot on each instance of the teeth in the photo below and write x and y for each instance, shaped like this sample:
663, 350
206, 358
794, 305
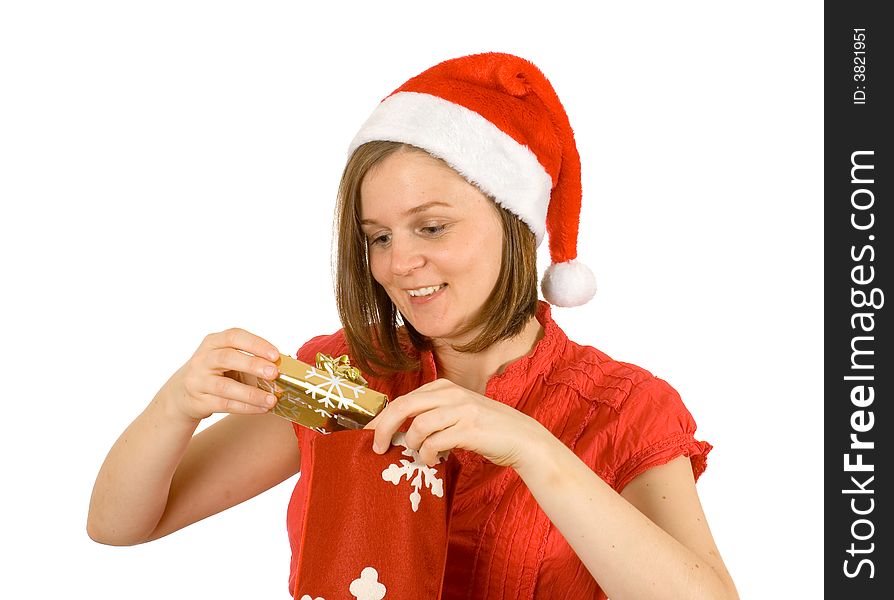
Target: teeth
426, 291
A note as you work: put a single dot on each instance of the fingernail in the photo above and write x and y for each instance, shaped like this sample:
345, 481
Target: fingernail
271, 400
377, 448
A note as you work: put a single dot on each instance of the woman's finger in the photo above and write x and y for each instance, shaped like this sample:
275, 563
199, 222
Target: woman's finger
218, 386
228, 359
241, 339
439, 441
231, 406
399, 410
429, 423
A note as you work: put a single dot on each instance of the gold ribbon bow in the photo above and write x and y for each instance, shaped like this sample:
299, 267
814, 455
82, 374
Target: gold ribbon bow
340, 367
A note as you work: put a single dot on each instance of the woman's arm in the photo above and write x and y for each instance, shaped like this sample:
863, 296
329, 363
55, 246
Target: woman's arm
158, 477
650, 541
235, 459
170, 480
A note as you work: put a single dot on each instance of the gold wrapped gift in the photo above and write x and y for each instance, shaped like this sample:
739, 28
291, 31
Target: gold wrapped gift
328, 396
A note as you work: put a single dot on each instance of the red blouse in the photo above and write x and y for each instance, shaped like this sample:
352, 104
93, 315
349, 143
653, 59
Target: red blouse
618, 418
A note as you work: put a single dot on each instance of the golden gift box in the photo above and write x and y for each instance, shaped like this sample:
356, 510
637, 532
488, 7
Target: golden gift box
328, 396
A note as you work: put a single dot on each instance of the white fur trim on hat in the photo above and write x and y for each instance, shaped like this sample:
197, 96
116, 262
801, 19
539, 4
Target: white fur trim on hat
568, 284
479, 150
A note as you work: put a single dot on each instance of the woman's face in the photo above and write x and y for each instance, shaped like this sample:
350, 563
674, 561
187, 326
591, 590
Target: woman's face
435, 241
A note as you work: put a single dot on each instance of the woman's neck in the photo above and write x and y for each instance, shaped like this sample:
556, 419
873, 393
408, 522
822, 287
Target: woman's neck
473, 370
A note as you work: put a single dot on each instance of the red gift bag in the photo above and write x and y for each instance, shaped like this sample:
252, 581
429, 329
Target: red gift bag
375, 526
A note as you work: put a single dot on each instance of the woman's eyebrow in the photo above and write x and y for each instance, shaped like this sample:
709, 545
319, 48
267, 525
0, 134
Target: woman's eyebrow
413, 211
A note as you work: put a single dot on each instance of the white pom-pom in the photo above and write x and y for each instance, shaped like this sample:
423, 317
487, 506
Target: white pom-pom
568, 284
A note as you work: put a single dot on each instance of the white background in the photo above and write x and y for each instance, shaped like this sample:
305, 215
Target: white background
168, 169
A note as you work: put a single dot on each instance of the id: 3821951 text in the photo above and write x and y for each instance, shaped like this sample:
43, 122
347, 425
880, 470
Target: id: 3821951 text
860, 75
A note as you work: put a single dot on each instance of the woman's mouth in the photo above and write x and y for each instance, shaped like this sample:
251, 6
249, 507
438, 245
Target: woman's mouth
425, 294
425, 291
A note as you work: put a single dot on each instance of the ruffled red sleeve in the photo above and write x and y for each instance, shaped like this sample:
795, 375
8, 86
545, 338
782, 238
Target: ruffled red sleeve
653, 428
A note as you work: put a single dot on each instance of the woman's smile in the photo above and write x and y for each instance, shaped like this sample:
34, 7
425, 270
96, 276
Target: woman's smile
424, 295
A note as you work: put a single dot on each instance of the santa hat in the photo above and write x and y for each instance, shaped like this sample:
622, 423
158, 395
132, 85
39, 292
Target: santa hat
497, 121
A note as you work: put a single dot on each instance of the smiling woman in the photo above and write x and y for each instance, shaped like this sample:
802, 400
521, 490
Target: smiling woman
474, 252
438, 262
577, 471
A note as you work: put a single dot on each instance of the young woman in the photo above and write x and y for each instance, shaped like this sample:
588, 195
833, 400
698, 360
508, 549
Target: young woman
578, 470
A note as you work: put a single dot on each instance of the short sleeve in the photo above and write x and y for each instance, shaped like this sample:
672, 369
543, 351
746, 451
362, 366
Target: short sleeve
653, 428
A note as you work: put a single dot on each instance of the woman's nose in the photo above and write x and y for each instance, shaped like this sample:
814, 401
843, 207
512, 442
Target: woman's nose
405, 256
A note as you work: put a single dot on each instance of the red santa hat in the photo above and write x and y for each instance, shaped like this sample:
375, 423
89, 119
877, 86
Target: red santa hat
497, 121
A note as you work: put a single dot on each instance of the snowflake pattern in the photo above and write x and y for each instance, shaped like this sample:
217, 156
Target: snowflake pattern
365, 587
424, 475
331, 384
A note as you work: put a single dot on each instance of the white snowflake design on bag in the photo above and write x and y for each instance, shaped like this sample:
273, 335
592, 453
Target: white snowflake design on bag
425, 475
365, 587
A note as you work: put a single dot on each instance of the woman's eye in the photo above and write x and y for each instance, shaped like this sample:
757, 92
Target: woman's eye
379, 240
434, 229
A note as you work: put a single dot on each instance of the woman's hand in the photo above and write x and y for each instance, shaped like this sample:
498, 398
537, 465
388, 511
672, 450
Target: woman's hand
222, 375
449, 416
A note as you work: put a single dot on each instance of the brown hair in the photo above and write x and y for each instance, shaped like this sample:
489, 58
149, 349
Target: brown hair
377, 335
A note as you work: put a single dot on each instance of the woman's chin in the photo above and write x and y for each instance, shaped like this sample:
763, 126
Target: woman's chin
431, 332
443, 336
432, 329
